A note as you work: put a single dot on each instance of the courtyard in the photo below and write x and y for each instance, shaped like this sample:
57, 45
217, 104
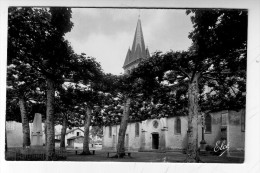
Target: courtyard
174, 157
148, 156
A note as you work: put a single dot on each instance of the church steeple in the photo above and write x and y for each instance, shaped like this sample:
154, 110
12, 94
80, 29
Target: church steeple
138, 51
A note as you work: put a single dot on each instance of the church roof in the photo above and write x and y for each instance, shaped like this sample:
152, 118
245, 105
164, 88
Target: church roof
138, 51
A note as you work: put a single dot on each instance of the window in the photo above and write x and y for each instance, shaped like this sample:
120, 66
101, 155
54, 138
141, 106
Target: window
78, 133
224, 118
243, 120
136, 129
155, 124
110, 131
208, 123
178, 126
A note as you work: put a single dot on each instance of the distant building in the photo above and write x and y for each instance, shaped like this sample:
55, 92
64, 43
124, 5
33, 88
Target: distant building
73, 138
171, 133
75, 141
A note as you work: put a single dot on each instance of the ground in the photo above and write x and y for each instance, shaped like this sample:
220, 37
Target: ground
101, 156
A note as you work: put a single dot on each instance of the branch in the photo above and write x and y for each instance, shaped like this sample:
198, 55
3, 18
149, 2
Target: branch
208, 77
233, 90
205, 68
183, 72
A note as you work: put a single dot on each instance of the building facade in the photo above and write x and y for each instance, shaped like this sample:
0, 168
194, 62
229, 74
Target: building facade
71, 136
171, 133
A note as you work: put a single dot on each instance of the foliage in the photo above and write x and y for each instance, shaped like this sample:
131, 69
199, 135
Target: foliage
218, 54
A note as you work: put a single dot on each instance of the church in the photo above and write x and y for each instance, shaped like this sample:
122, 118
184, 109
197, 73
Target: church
170, 134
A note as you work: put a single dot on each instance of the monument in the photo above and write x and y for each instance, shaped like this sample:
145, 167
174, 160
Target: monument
36, 135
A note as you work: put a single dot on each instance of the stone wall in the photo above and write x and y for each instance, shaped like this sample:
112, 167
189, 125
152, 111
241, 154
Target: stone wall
14, 133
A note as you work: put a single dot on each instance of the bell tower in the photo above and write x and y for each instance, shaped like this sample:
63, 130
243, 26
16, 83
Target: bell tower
138, 51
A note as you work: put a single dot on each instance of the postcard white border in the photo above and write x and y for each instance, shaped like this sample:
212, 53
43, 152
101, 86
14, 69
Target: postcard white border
252, 144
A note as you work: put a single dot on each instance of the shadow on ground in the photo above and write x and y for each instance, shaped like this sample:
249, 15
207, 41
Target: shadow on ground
174, 157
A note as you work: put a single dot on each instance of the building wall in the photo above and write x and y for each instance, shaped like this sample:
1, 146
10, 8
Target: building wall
133, 140
170, 140
69, 135
110, 142
78, 142
148, 130
236, 137
211, 137
14, 133
174, 140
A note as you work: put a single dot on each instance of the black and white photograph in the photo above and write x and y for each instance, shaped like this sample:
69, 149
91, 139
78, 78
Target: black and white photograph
130, 84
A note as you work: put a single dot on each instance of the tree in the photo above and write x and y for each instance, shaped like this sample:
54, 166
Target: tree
96, 131
126, 89
37, 34
22, 79
64, 110
217, 58
84, 94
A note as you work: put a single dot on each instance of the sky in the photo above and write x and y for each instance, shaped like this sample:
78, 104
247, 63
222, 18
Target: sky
106, 34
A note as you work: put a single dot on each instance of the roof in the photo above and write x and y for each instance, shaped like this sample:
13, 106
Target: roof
71, 131
138, 51
75, 137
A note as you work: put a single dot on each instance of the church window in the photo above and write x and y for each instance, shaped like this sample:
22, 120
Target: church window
110, 131
136, 129
243, 121
178, 126
155, 124
208, 123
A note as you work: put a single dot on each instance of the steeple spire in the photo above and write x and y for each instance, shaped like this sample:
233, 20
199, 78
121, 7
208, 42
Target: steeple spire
139, 38
138, 51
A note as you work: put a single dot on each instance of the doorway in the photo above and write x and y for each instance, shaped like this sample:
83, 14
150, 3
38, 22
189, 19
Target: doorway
155, 141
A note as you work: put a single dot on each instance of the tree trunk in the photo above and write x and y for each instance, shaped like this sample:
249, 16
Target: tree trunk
63, 132
192, 148
50, 146
45, 132
86, 132
122, 129
6, 148
25, 123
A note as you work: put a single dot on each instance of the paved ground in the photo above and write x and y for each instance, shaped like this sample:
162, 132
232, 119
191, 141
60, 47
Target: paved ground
101, 156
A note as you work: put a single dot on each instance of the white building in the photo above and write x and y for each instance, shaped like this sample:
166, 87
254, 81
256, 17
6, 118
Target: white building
73, 138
